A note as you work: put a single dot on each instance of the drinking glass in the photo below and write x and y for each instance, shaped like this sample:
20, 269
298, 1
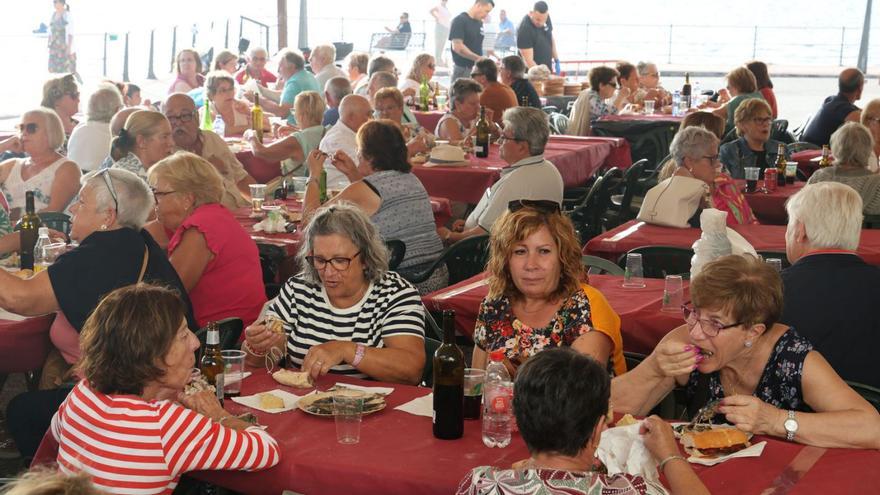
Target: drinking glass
348, 408
752, 174
299, 187
776, 263
473, 392
649, 107
233, 372
672, 294
633, 277
790, 172
258, 195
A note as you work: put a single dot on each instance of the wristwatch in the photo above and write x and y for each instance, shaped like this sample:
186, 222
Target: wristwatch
791, 426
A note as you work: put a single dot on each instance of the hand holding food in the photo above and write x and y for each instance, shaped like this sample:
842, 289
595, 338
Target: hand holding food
674, 358
296, 379
751, 414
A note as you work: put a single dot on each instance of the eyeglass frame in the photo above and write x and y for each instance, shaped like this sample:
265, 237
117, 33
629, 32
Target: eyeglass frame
691, 312
311, 259
160, 194
30, 125
764, 120
182, 118
502, 138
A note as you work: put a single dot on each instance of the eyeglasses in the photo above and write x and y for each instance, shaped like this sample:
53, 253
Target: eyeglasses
542, 205
259, 59
184, 117
709, 327
502, 138
105, 173
339, 263
225, 89
431, 66
762, 120
712, 158
30, 128
161, 194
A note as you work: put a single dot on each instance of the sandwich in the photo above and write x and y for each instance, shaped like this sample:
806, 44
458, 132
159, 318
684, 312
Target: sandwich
275, 325
296, 379
714, 442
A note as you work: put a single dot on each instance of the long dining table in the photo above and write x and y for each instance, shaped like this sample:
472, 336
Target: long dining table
769, 207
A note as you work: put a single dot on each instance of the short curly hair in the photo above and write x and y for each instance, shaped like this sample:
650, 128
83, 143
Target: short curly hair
748, 288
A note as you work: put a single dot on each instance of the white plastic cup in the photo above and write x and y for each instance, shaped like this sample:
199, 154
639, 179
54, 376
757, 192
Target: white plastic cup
348, 408
258, 196
299, 187
776, 263
633, 277
233, 372
672, 294
649, 107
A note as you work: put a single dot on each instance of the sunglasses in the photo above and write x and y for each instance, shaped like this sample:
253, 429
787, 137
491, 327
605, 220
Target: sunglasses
30, 128
542, 205
105, 173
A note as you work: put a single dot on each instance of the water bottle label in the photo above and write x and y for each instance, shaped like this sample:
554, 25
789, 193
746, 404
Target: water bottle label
500, 403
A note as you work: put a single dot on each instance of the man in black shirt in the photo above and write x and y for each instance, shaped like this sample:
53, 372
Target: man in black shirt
534, 37
466, 35
512, 73
837, 109
403, 27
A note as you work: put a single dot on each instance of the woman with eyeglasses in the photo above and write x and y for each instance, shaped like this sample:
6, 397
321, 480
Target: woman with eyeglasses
593, 103
220, 92
144, 140
422, 69
345, 312
44, 169
767, 379
114, 251
215, 257
852, 147
539, 295
62, 95
753, 148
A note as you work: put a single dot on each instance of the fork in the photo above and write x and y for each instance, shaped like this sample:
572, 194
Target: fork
705, 413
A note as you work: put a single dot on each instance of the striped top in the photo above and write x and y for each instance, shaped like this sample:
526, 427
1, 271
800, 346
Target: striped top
132, 446
391, 307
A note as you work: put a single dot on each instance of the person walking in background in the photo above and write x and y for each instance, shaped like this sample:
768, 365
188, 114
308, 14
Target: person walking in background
62, 58
506, 33
466, 35
441, 30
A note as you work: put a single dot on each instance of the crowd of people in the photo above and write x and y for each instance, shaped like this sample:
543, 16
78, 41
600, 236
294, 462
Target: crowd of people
152, 195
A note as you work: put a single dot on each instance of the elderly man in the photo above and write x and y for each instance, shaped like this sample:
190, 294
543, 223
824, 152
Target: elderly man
180, 110
89, 141
335, 90
255, 68
323, 62
529, 176
466, 35
379, 63
354, 111
837, 109
292, 68
496, 96
534, 37
513, 72
649, 85
831, 294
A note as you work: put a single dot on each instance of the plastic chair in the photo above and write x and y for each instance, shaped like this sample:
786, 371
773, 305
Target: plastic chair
558, 123
779, 132
798, 146
396, 252
230, 332
464, 259
601, 265
583, 217
870, 394
621, 204
871, 222
271, 257
729, 137
660, 261
55, 220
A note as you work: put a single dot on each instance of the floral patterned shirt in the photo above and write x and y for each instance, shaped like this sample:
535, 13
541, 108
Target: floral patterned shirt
133, 164
487, 480
598, 106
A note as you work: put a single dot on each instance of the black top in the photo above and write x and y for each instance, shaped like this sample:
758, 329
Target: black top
538, 39
470, 31
105, 261
404, 27
832, 114
832, 299
522, 87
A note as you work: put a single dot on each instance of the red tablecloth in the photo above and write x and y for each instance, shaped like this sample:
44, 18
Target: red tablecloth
769, 208
25, 344
805, 161
642, 324
762, 237
657, 117
428, 120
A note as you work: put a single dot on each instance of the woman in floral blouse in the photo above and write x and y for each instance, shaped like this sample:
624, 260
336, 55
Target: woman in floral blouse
538, 296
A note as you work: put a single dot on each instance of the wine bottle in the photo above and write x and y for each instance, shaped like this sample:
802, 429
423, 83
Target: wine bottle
686, 89
424, 95
257, 118
211, 364
780, 165
29, 231
481, 146
448, 416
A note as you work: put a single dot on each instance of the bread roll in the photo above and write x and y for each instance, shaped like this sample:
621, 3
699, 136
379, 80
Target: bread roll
269, 401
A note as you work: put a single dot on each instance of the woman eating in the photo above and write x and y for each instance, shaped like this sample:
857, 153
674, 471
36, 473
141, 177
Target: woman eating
753, 148
138, 355
53, 178
741, 85
144, 140
457, 124
852, 147
61, 94
591, 103
732, 349
292, 150
216, 259
345, 312
384, 188
189, 72
538, 293
220, 90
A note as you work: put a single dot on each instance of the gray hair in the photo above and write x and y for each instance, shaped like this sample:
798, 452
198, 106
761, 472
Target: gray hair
831, 213
293, 57
338, 87
383, 79
642, 67
529, 124
213, 80
104, 103
327, 53
692, 142
852, 144
132, 195
462, 88
256, 50
349, 221
54, 128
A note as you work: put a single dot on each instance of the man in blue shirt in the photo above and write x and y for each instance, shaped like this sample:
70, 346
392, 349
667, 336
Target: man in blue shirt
291, 67
506, 33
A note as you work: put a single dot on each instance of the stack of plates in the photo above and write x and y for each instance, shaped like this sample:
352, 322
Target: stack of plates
572, 89
554, 86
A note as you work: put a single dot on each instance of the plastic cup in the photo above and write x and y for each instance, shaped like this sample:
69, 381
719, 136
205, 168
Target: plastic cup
776, 263
473, 392
649, 107
348, 408
258, 195
790, 172
633, 277
299, 187
233, 372
672, 294
752, 174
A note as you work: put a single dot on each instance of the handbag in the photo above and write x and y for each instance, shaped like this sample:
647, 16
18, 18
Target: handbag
673, 202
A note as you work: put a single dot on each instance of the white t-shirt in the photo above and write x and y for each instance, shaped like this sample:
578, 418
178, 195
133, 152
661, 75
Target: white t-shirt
338, 137
89, 144
328, 72
444, 17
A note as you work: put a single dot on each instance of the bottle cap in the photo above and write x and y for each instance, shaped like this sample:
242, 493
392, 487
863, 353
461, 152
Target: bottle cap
44, 231
497, 355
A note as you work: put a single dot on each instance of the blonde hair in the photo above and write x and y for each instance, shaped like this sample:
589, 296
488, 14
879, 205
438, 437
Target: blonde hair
189, 173
748, 110
223, 58
421, 60
389, 93
743, 80
54, 128
872, 110
141, 123
311, 104
213, 80
55, 88
48, 481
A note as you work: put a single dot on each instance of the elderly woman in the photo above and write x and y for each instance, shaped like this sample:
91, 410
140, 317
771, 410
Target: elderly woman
764, 84
753, 148
138, 356
603, 83
649, 85
337, 313
53, 178
226, 61
628, 82
383, 187
90, 141
741, 85
388, 103
767, 377
871, 119
189, 72
292, 151
538, 293
422, 70
852, 147
214, 256
61, 94
144, 140
114, 251
560, 400
457, 124
220, 90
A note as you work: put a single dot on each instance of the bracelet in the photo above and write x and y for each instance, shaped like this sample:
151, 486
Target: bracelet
250, 350
670, 458
359, 353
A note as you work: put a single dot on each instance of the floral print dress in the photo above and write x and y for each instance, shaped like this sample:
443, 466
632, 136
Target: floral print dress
488, 480
60, 59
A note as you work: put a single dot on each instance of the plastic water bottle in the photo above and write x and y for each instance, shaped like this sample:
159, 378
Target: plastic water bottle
41, 261
219, 125
497, 403
696, 96
676, 104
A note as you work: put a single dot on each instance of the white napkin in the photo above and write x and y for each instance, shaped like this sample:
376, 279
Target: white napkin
274, 222
371, 390
622, 450
753, 451
253, 401
423, 406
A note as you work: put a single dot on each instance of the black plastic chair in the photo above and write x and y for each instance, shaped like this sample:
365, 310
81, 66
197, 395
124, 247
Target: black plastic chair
871, 222
55, 220
230, 332
558, 123
870, 394
776, 254
779, 132
583, 217
660, 261
601, 265
620, 209
271, 257
396, 252
798, 146
667, 408
729, 137
464, 259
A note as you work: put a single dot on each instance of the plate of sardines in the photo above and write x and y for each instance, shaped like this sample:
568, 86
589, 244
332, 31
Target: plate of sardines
321, 403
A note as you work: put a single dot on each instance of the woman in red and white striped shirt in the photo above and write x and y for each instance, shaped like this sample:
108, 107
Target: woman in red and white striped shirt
123, 424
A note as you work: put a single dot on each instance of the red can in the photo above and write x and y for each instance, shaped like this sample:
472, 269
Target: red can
770, 175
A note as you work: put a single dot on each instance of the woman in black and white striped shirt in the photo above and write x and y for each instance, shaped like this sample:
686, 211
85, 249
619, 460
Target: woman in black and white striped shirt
345, 312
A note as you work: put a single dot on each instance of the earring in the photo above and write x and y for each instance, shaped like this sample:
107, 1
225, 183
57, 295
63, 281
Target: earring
103, 226
747, 343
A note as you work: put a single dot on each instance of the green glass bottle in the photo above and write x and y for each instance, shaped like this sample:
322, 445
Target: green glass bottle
322, 186
424, 95
207, 119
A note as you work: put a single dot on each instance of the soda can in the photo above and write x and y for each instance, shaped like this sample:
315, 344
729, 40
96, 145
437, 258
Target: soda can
770, 176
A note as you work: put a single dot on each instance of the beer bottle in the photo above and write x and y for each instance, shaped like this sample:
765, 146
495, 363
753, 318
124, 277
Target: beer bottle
481, 146
257, 118
826, 157
211, 364
686, 90
780, 165
424, 95
29, 231
448, 418
207, 119
524, 100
